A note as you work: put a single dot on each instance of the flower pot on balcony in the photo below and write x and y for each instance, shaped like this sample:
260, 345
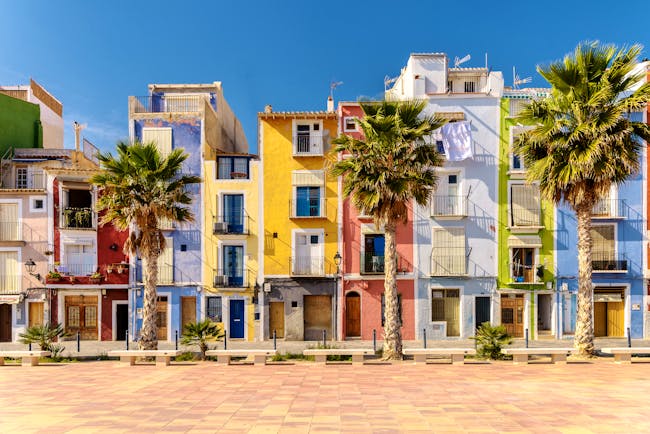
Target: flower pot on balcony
122, 267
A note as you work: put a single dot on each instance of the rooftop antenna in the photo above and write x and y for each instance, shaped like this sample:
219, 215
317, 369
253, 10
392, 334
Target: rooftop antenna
459, 61
77, 134
516, 81
388, 80
334, 85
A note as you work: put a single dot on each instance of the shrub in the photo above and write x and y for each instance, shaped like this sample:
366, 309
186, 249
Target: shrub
44, 336
490, 339
186, 356
200, 333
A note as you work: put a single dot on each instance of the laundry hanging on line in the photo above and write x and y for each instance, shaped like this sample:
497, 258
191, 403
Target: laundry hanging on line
457, 140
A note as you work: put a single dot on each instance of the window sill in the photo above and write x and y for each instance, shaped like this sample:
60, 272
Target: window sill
517, 174
525, 229
310, 217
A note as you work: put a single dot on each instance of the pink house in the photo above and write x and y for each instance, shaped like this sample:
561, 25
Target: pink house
362, 248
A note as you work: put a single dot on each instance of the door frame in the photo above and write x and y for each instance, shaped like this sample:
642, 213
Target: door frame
526, 294
243, 301
62, 294
114, 314
170, 306
627, 302
489, 297
353, 291
553, 312
225, 311
28, 302
461, 309
309, 232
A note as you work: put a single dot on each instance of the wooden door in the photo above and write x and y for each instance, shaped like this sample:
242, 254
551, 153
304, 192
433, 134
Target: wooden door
36, 313
5, 323
512, 315
615, 319
353, 315
600, 319
81, 316
161, 319
276, 319
188, 310
317, 317
481, 310
237, 319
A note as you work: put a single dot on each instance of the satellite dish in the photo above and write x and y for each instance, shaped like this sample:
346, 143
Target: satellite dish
459, 61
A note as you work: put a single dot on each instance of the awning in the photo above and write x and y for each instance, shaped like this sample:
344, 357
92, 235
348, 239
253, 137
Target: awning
10, 299
524, 241
615, 297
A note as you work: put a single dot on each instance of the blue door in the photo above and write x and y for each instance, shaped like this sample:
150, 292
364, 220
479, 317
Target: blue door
233, 265
237, 319
233, 212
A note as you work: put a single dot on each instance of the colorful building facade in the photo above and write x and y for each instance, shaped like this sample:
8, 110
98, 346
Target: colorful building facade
299, 216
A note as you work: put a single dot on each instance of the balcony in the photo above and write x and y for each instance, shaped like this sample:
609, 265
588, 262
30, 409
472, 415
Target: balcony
77, 218
525, 220
308, 145
230, 278
166, 103
30, 181
371, 263
231, 225
448, 206
10, 284
308, 208
608, 208
608, 262
449, 261
307, 266
80, 274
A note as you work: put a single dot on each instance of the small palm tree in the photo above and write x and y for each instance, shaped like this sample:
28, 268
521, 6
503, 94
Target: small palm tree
139, 188
43, 335
382, 174
200, 333
490, 339
583, 141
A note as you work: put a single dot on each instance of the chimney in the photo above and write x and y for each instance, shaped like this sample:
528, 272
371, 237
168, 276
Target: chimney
330, 104
268, 108
77, 135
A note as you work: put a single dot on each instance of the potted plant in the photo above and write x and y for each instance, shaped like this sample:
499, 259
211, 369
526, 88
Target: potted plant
96, 277
109, 268
122, 267
54, 276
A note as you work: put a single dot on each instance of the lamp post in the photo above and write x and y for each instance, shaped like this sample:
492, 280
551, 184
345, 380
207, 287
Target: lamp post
30, 265
337, 262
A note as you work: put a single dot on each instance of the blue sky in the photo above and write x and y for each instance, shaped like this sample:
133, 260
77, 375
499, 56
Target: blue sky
92, 55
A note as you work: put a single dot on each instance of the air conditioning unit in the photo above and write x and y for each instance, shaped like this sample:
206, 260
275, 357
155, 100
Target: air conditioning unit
220, 228
220, 281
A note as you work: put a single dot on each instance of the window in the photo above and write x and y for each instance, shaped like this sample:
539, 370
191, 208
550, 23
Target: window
233, 213
399, 309
517, 105
232, 168
445, 307
166, 262
21, 177
516, 162
9, 280
470, 86
38, 204
162, 137
214, 309
448, 254
604, 248
450, 86
308, 138
524, 205
308, 197
307, 253
448, 201
79, 259
307, 201
523, 265
373, 254
349, 124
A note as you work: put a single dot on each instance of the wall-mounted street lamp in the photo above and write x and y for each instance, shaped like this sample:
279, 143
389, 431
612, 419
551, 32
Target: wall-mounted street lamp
30, 265
337, 261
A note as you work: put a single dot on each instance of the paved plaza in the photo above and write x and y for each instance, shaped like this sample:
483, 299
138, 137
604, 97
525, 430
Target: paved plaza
109, 396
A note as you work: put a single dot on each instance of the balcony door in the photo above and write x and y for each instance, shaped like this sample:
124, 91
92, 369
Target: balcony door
233, 264
308, 254
447, 193
233, 212
79, 259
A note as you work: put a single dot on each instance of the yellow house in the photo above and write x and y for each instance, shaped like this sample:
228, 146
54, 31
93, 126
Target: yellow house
231, 261
299, 294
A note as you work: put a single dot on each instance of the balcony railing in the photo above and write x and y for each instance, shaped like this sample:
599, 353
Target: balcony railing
165, 103
449, 261
72, 269
231, 225
607, 208
307, 144
77, 218
307, 265
448, 206
31, 181
230, 278
308, 208
608, 262
525, 217
10, 231
371, 263
9, 284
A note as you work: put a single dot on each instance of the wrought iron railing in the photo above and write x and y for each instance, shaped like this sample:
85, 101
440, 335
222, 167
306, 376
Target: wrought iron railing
608, 261
307, 265
166, 103
308, 144
448, 206
608, 208
73, 269
230, 278
371, 263
448, 261
231, 224
77, 218
308, 208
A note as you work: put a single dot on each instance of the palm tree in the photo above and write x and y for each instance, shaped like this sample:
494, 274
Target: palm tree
382, 174
200, 333
583, 142
139, 188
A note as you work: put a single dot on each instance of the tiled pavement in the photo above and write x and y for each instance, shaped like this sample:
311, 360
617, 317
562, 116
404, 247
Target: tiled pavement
597, 396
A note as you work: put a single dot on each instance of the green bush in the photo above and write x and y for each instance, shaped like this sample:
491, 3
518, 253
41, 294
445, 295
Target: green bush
490, 339
186, 356
44, 336
200, 333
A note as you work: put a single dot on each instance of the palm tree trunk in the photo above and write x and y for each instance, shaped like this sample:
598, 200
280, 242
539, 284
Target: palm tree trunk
149, 332
584, 334
392, 327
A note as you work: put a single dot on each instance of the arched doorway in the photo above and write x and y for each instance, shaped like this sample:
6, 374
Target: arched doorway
352, 315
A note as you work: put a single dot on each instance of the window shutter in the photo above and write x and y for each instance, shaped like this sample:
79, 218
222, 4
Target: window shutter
166, 262
525, 205
448, 253
308, 177
9, 272
9, 221
162, 137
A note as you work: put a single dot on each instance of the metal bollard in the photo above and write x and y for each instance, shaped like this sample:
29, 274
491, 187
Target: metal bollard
324, 337
176, 339
225, 339
629, 338
275, 342
526, 338
424, 331
127, 339
374, 340
30, 346
78, 341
